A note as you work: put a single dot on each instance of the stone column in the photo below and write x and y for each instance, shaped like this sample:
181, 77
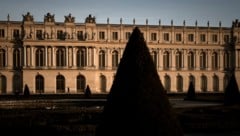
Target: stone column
67, 56
25, 55
74, 56
160, 59
172, 58
46, 56
32, 56
54, 56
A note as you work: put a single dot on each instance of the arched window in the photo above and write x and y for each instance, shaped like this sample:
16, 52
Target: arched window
60, 84
154, 57
81, 57
203, 62
39, 84
203, 83
81, 83
226, 60
16, 59
214, 60
17, 86
167, 83
178, 60
39, 58
2, 58
190, 60
60, 57
192, 79
225, 81
179, 83
3, 84
114, 59
215, 83
103, 84
102, 59
166, 60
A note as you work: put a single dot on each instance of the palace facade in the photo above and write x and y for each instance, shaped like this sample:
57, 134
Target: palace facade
65, 57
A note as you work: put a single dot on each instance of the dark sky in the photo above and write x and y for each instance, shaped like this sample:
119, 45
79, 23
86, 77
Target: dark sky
177, 10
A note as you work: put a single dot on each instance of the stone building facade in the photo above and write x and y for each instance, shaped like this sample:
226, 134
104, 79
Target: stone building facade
65, 57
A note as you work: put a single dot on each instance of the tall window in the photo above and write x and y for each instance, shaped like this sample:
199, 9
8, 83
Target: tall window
60, 57
166, 36
225, 81
128, 34
81, 57
214, 38
114, 35
215, 83
153, 36
203, 83
178, 37
226, 60
81, 83
60, 84
17, 86
101, 35
39, 34
226, 38
16, 34
101, 59
190, 37
80, 35
154, 57
103, 84
16, 59
167, 83
178, 60
2, 58
202, 38
39, 84
203, 61
192, 79
214, 60
190, 60
114, 59
166, 60
179, 83
3, 84
2, 33
61, 35
39, 57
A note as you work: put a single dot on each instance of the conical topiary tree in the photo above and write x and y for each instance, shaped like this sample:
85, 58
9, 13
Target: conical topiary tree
191, 95
87, 91
137, 103
26, 91
231, 93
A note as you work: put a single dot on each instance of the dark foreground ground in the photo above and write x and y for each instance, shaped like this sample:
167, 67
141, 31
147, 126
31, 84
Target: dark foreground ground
70, 115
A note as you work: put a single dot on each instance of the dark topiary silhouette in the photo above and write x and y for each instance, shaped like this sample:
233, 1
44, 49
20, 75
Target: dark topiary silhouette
231, 93
137, 104
191, 95
87, 91
26, 91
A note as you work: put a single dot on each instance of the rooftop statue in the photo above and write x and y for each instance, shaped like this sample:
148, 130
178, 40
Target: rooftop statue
27, 17
69, 19
49, 18
90, 19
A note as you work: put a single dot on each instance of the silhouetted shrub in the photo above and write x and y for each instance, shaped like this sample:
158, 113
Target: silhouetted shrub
87, 91
231, 93
137, 103
191, 95
26, 91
